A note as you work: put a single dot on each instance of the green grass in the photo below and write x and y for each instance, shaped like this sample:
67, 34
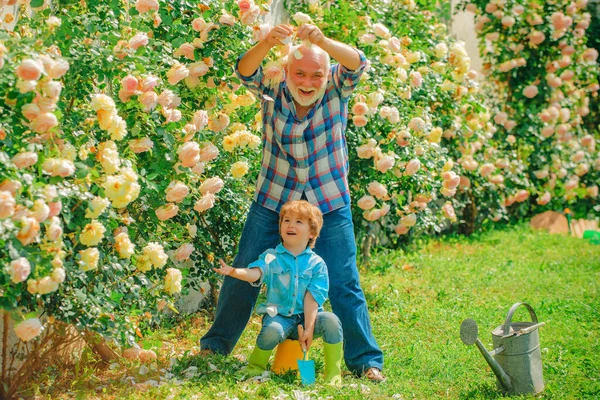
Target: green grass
417, 304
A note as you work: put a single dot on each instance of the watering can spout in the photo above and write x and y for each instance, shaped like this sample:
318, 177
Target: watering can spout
468, 334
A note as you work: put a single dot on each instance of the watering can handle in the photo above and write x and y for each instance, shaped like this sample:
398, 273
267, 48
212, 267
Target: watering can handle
512, 311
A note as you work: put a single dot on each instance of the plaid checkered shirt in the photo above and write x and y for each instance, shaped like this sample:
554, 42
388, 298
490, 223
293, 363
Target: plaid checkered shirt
308, 155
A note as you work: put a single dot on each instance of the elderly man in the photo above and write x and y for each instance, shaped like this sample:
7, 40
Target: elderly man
304, 157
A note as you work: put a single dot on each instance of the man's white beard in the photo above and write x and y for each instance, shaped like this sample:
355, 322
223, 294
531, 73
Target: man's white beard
303, 100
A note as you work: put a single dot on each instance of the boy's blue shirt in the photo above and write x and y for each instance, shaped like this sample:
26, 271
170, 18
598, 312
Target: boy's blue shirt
288, 277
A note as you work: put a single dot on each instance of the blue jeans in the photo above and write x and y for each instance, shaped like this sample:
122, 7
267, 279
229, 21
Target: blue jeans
336, 245
278, 328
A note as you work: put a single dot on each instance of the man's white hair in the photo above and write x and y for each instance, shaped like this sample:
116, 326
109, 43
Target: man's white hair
315, 49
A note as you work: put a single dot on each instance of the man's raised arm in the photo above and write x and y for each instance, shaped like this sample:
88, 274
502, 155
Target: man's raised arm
250, 62
344, 54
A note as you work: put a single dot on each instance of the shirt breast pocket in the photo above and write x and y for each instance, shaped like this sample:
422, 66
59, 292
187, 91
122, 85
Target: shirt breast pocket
280, 280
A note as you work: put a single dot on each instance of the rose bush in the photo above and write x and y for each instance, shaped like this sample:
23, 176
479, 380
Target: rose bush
543, 96
112, 131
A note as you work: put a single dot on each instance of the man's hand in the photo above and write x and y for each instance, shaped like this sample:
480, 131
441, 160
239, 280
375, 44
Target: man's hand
224, 269
279, 33
305, 337
311, 33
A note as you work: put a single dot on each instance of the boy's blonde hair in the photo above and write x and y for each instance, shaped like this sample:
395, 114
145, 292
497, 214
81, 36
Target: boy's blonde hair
307, 211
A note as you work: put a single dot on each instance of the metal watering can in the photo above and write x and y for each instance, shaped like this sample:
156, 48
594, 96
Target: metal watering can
516, 359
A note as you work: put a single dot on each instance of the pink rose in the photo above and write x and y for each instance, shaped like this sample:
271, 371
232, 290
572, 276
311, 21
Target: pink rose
412, 167
366, 202
149, 101
368, 38
521, 196
30, 111
183, 252
55, 208
199, 24
205, 202
10, 186
177, 191
28, 329
186, 50
385, 163
273, 72
189, 154
227, 19
177, 73
167, 211
536, 38
416, 79
211, 185
53, 232
464, 182
449, 212
19, 269
417, 124
394, 44
501, 118
508, 21
245, 5
149, 83
29, 70
200, 119
401, 229
143, 6
44, 122
590, 55
592, 191
139, 40
451, 180
198, 69
208, 152
25, 159
381, 30
359, 120
360, 108
487, 169
403, 138
544, 199
377, 189
129, 83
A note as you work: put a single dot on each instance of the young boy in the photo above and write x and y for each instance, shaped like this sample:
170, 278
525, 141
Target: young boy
297, 286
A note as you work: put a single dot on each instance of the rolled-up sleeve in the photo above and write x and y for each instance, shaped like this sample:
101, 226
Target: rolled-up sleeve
346, 80
319, 284
263, 266
255, 83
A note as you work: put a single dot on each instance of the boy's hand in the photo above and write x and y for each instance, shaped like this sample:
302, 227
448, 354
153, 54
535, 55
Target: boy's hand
279, 33
305, 338
311, 33
224, 269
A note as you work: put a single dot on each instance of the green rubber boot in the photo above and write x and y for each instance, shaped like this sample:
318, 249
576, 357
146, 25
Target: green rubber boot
333, 363
257, 363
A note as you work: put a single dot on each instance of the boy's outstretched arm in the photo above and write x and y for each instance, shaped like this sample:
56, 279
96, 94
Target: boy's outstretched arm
243, 274
311, 308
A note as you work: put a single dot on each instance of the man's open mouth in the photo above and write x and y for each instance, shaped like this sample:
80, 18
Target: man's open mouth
306, 92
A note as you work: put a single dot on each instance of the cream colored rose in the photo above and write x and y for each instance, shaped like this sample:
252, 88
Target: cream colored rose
177, 192
47, 285
143, 6
57, 68
412, 167
58, 275
167, 211
173, 281
25, 159
102, 102
19, 270
218, 122
89, 259
408, 220
149, 101
54, 231
108, 155
28, 329
239, 169
117, 128
7, 204
123, 245
58, 167
92, 233
156, 254
96, 207
212, 185
205, 202
29, 230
